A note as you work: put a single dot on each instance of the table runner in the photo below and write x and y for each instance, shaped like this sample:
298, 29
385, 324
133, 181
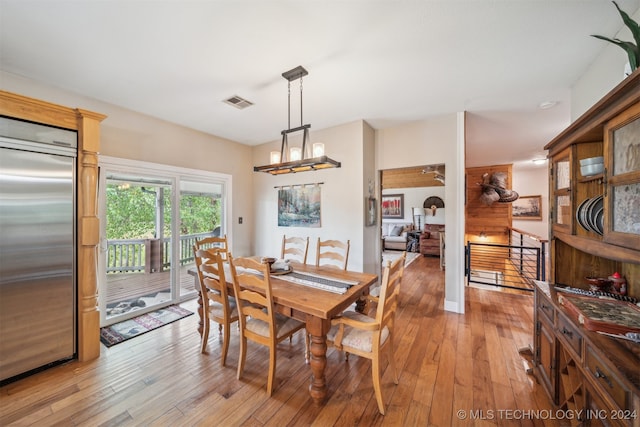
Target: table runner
317, 281
313, 280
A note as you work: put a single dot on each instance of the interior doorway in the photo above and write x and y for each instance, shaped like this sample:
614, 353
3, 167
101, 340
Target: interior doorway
407, 198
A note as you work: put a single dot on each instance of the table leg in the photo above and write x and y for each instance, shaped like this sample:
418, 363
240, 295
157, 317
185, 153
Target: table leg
317, 329
200, 307
362, 304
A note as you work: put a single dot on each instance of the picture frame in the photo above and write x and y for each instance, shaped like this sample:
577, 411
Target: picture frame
392, 206
371, 211
527, 208
299, 206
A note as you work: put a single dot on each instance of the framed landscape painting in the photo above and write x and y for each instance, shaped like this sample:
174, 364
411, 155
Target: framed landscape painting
392, 206
299, 207
527, 207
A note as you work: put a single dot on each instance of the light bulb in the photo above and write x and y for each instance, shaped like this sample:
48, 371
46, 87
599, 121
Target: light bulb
275, 157
318, 149
295, 153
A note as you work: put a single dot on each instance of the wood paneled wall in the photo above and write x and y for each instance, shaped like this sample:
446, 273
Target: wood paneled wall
410, 177
494, 220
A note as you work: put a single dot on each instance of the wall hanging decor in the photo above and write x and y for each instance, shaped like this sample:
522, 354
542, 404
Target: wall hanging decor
527, 207
299, 206
393, 206
371, 210
494, 189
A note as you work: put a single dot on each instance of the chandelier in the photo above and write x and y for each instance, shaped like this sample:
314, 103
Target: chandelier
297, 159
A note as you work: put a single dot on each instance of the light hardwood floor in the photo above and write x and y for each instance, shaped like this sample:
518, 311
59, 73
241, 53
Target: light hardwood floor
448, 362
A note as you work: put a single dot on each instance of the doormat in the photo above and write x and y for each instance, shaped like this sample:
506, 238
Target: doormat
121, 307
120, 332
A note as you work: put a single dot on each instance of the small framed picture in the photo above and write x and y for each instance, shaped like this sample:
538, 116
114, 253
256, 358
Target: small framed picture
527, 207
371, 210
392, 206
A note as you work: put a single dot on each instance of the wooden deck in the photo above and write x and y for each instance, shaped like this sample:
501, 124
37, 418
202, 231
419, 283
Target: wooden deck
128, 286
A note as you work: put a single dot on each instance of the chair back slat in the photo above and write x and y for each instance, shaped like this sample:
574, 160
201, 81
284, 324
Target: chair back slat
389, 293
252, 287
333, 253
217, 242
258, 320
210, 269
295, 248
210, 266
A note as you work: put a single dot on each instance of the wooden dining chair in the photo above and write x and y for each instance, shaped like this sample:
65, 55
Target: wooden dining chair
258, 320
295, 248
374, 292
332, 253
219, 242
216, 304
369, 337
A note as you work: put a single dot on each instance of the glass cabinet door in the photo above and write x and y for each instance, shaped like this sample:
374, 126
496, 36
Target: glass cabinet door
561, 183
622, 197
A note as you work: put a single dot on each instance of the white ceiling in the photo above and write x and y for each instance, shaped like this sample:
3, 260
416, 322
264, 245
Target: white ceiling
387, 61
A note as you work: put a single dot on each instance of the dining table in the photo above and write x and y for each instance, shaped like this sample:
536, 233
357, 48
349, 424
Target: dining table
314, 295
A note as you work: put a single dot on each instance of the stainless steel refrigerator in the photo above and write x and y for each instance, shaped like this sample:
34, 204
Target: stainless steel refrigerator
37, 247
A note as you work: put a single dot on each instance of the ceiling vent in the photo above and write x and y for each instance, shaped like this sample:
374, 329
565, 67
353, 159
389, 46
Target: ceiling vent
238, 102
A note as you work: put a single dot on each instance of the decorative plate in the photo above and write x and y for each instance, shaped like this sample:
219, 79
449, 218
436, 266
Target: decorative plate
433, 201
278, 272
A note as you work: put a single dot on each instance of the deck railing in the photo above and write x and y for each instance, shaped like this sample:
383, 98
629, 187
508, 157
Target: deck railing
510, 266
148, 255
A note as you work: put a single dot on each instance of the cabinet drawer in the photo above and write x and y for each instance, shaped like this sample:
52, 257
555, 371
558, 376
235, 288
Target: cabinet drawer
604, 377
545, 307
570, 334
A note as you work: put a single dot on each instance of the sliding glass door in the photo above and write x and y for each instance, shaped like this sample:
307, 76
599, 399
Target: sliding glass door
150, 218
201, 216
137, 250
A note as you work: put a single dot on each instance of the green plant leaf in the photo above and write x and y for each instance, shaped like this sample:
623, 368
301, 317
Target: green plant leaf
630, 23
632, 50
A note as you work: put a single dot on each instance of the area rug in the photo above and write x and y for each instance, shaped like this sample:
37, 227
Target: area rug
394, 255
120, 332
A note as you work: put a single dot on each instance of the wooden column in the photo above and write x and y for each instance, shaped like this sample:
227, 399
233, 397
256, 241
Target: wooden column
88, 234
87, 124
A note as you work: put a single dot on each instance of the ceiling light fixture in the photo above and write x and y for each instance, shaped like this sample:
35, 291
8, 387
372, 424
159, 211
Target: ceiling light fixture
539, 161
298, 159
545, 105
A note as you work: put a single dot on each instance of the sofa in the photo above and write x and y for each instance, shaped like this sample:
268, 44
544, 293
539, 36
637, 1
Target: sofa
430, 239
430, 236
394, 235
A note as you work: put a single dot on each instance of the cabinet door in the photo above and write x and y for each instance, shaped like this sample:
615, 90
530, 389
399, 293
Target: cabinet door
545, 356
560, 191
622, 174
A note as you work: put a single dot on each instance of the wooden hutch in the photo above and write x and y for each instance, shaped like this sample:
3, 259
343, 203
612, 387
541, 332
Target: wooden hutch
581, 369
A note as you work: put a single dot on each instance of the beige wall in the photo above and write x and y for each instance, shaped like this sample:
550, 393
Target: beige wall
436, 140
533, 182
342, 194
371, 234
603, 74
130, 135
